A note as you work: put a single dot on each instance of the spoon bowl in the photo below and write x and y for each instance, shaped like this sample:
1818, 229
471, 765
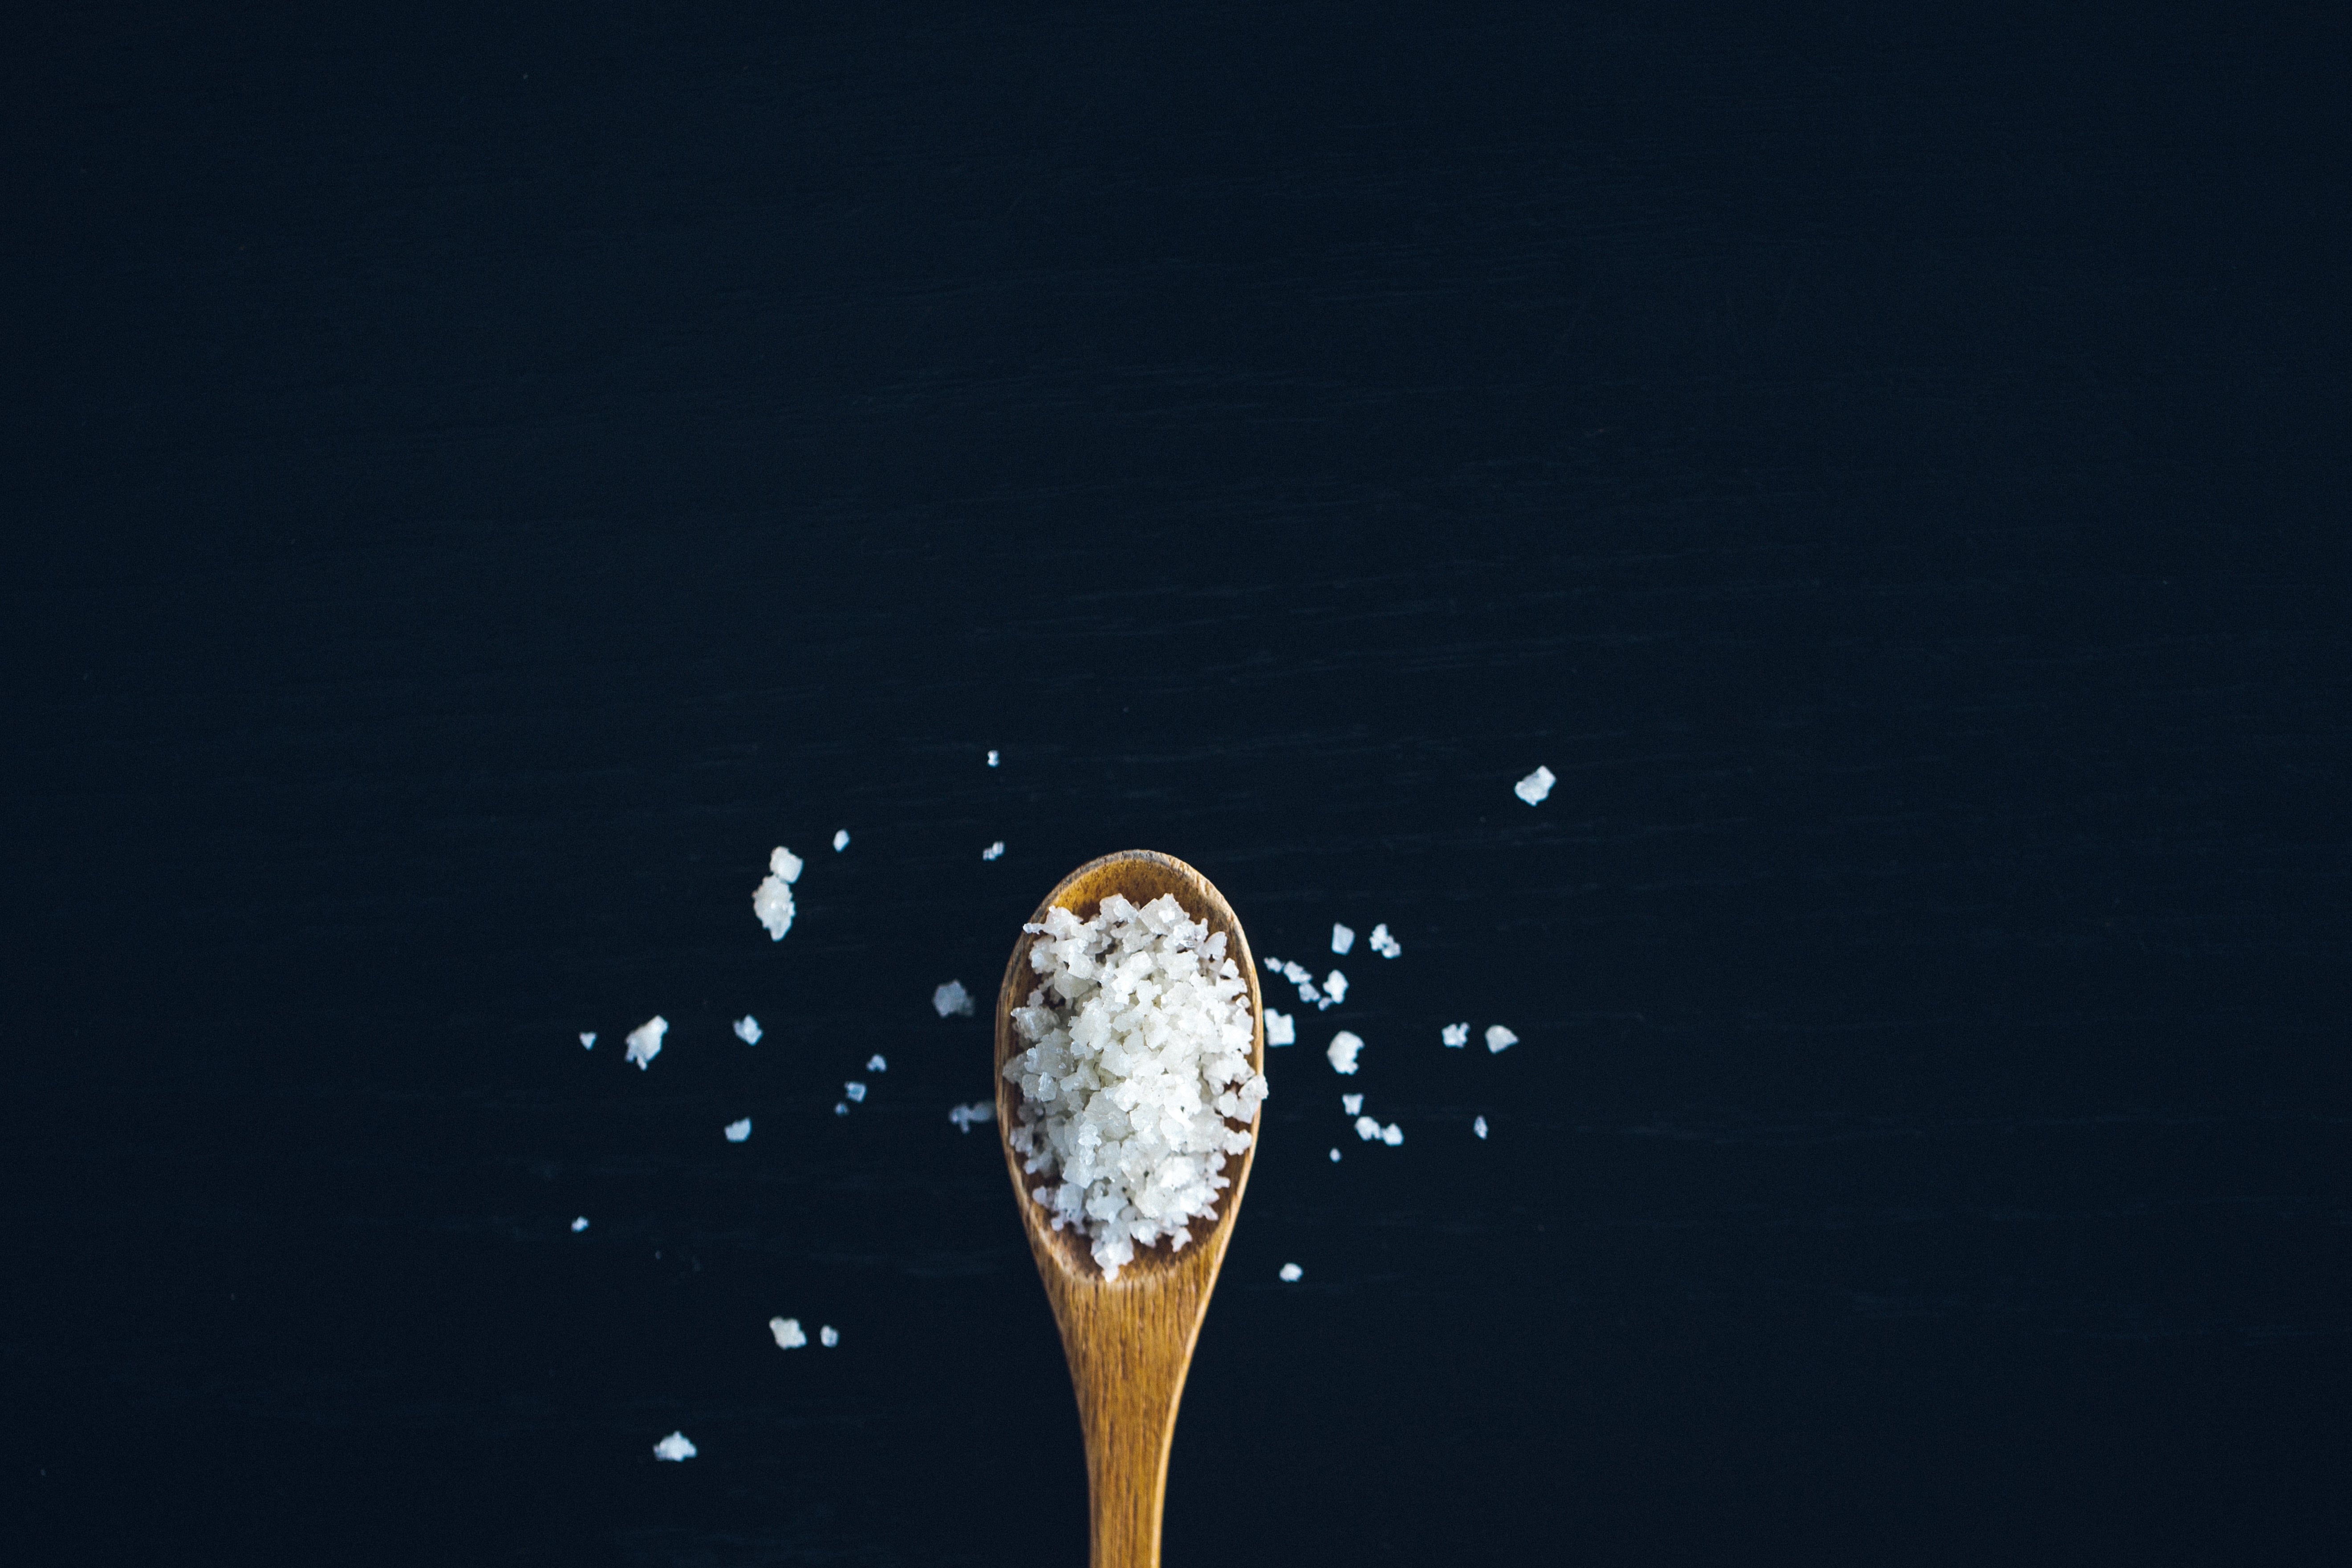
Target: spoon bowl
1130, 1340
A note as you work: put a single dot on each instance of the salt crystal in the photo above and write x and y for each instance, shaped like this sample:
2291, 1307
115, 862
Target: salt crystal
1535, 787
828, 1336
876, 1064
856, 1091
840, 839
1455, 1035
739, 1130
1291, 1274
1383, 943
1342, 1051
645, 1041
1335, 986
1274, 964
1295, 974
1479, 1126
839, 1109
579, 1224
1367, 1128
588, 1039
747, 1029
994, 851
967, 1117
1342, 937
1353, 1104
1391, 1135
952, 999
772, 900
1279, 1029
992, 759
1498, 1038
674, 1446
1335, 1156
788, 1333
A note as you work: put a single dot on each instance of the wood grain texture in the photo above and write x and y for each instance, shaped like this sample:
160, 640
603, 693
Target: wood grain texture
1130, 1340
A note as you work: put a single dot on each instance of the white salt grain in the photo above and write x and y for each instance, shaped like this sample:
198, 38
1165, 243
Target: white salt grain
747, 1029
856, 1091
645, 1041
1383, 943
840, 839
588, 1039
1279, 1029
1291, 1274
1342, 937
674, 1446
952, 999
772, 900
1367, 1128
1137, 1069
1479, 1126
579, 1224
840, 1109
1342, 1051
992, 759
739, 1130
1335, 1156
1498, 1038
828, 1336
874, 1063
967, 1117
1535, 787
788, 1333
994, 851
1455, 1035
1335, 986
1274, 964
1353, 1104
1391, 1135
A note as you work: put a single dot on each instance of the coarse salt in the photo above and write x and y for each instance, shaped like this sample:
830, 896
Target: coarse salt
645, 1041
1535, 787
588, 1039
674, 1446
1291, 1274
1457, 1034
788, 1333
747, 1029
579, 1224
992, 759
1342, 1051
840, 839
1342, 937
1383, 943
1137, 1069
1353, 1104
876, 1062
1498, 1038
1279, 1029
994, 851
1335, 988
1335, 1156
856, 1091
1478, 1125
772, 900
828, 1336
967, 1117
1367, 1128
952, 1000
739, 1130
1391, 1135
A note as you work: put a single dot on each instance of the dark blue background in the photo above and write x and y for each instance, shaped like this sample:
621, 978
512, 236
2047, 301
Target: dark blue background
478, 483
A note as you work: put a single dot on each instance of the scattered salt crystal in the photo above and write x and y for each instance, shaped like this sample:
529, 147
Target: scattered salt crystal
1279, 1029
739, 1130
828, 1336
1353, 1104
856, 1091
1383, 943
645, 1041
952, 999
772, 900
1367, 1128
1274, 964
1335, 1156
1294, 974
994, 851
1342, 937
1479, 1126
840, 1109
1335, 985
840, 839
1535, 787
747, 1029
876, 1064
1498, 1038
1457, 1034
967, 1117
674, 1446
1342, 1051
788, 1333
992, 759
579, 1224
588, 1039
1136, 1070
1291, 1274
1391, 1135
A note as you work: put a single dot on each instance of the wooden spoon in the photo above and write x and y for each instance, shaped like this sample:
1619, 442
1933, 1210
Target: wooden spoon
1130, 1340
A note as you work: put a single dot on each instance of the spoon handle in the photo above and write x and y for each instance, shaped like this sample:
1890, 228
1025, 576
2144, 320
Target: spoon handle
1128, 1361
